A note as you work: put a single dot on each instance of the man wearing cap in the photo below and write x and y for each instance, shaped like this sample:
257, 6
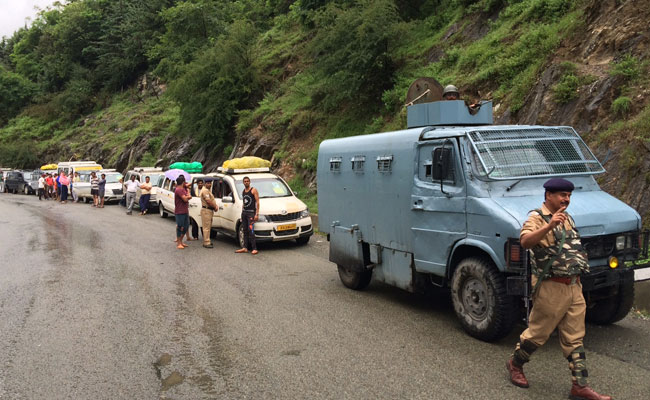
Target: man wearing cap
208, 207
557, 260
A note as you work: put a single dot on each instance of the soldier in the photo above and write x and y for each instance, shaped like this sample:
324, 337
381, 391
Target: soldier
450, 93
208, 207
557, 260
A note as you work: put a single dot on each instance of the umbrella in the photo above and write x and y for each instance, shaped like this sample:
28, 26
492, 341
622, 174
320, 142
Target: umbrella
175, 173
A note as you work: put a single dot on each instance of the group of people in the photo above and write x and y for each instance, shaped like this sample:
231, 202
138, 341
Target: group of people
59, 186
54, 186
182, 196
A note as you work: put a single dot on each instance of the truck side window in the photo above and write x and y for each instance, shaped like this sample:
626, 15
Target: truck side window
358, 163
335, 164
385, 163
451, 171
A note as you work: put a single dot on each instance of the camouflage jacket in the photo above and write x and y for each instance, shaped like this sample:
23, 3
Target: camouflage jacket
570, 260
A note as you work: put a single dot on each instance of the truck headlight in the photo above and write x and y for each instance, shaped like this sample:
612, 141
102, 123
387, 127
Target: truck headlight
304, 213
620, 243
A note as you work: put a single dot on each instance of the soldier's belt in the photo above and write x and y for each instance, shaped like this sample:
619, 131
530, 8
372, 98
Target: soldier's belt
567, 280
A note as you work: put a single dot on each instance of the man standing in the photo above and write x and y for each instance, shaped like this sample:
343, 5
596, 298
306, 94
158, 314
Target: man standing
181, 210
48, 186
101, 191
41, 186
208, 207
94, 188
557, 260
145, 195
132, 186
249, 214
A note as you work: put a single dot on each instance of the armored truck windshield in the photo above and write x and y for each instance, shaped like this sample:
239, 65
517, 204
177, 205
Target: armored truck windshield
532, 152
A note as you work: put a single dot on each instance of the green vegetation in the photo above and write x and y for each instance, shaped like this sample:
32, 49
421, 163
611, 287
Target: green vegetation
629, 68
621, 106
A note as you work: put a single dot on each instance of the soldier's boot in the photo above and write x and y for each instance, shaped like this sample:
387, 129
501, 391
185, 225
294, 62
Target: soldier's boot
580, 390
515, 365
586, 393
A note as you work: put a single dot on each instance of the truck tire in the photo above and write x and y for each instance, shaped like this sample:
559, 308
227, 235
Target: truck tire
161, 210
481, 303
612, 309
353, 279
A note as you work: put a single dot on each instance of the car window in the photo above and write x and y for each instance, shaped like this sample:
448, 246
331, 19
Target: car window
113, 178
267, 187
166, 184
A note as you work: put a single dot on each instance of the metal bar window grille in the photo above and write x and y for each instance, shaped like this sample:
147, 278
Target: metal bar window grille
335, 164
521, 153
358, 163
384, 163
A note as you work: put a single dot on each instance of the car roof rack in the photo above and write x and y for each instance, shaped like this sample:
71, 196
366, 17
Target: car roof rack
231, 171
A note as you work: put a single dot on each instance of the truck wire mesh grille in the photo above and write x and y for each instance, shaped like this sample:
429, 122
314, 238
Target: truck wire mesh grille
521, 153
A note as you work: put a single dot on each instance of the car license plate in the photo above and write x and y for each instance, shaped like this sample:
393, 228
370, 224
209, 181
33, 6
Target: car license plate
286, 227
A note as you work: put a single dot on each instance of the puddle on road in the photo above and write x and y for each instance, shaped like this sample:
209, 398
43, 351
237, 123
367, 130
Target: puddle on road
172, 380
163, 360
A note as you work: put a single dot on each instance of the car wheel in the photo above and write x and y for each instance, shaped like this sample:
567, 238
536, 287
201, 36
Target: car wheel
356, 280
481, 303
303, 240
161, 210
240, 235
26, 190
195, 229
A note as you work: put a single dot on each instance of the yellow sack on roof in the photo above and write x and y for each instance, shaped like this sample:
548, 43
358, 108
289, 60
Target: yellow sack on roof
50, 166
246, 162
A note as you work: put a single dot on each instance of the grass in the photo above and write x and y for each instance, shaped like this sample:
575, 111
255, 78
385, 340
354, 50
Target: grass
304, 193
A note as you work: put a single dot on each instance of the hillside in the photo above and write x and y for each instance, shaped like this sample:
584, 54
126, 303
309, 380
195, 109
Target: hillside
144, 82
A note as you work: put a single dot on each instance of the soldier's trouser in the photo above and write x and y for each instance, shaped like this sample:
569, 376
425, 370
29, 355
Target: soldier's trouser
558, 305
206, 224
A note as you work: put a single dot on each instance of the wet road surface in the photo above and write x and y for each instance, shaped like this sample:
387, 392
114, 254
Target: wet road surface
96, 304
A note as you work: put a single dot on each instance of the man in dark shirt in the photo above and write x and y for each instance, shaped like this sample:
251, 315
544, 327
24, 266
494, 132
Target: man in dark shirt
181, 210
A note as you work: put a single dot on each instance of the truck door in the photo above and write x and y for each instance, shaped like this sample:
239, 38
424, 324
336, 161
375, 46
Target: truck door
438, 204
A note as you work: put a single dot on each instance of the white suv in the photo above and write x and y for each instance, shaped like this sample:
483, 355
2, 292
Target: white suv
282, 216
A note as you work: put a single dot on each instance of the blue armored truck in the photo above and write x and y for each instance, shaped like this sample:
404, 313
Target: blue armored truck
441, 205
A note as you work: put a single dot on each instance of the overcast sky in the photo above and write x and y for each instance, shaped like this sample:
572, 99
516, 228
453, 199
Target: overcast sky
14, 12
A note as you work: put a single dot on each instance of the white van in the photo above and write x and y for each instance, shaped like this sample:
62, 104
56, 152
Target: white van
70, 167
165, 196
156, 178
282, 216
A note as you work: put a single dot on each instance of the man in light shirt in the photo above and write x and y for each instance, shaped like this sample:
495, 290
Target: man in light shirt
132, 186
41, 186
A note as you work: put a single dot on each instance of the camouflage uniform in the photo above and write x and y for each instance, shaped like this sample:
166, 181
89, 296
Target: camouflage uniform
556, 304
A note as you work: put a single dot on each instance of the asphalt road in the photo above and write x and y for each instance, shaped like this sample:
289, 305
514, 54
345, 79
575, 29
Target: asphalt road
96, 304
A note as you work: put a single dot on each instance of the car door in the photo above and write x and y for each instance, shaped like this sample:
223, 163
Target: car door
438, 205
194, 205
229, 211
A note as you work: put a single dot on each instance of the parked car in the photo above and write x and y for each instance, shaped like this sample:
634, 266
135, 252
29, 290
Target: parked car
282, 216
113, 189
165, 197
156, 178
22, 181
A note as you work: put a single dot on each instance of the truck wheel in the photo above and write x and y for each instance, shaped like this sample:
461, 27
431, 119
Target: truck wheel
478, 292
303, 240
612, 309
353, 279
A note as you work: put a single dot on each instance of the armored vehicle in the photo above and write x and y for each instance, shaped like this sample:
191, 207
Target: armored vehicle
441, 204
